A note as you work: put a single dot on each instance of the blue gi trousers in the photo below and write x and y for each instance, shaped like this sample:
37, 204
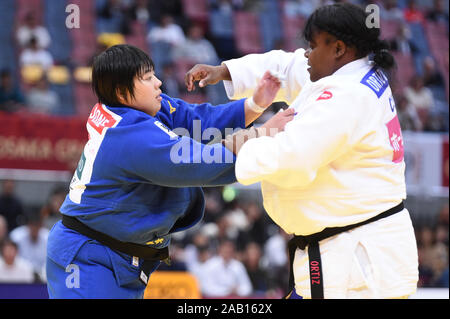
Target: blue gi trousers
95, 271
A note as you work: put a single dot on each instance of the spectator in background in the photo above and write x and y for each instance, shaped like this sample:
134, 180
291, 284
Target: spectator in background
234, 222
167, 31
41, 99
111, 17
425, 247
140, 11
11, 97
442, 225
31, 240
425, 270
420, 97
224, 276
10, 206
50, 211
3, 229
196, 47
413, 14
221, 28
162, 39
275, 253
303, 8
196, 269
443, 215
173, 8
256, 226
33, 55
390, 11
214, 204
252, 262
197, 253
275, 261
402, 42
14, 269
434, 81
432, 77
407, 115
437, 12
442, 234
31, 29
439, 265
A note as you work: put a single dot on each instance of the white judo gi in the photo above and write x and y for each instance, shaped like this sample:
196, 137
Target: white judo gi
338, 162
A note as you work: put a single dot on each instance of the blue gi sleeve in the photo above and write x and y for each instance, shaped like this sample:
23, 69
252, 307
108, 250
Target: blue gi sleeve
163, 158
197, 118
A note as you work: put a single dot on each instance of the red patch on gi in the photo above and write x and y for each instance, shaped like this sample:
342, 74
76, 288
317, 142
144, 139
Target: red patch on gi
325, 96
396, 139
99, 118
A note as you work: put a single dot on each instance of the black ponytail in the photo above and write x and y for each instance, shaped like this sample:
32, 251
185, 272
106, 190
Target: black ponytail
347, 22
381, 55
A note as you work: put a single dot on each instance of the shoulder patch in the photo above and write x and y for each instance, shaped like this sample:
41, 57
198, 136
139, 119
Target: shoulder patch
166, 130
376, 80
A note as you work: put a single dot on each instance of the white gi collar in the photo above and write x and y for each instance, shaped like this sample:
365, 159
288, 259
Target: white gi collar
353, 66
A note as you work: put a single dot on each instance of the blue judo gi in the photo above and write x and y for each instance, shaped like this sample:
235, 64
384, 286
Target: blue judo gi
137, 181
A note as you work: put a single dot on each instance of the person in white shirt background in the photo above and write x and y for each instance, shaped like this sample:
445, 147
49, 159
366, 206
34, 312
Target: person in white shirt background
13, 268
338, 163
31, 240
31, 29
34, 55
223, 275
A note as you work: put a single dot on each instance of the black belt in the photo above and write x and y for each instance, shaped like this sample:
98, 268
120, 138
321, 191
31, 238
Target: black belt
312, 241
148, 254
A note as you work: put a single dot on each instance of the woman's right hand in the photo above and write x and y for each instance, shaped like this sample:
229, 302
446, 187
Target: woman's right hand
206, 74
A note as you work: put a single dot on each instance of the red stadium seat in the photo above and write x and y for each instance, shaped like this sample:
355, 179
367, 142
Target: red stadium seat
196, 10
247, 32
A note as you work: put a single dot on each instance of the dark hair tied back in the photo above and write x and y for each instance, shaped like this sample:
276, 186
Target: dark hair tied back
381, 55
347, 22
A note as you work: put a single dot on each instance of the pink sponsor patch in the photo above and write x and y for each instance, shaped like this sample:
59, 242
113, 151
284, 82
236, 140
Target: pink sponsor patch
396, 139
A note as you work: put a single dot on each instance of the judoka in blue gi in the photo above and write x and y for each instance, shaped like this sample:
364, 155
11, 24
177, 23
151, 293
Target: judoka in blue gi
128, 193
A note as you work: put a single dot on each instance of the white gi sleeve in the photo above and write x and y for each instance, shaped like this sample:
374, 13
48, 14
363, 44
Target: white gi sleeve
316, 137
247, 71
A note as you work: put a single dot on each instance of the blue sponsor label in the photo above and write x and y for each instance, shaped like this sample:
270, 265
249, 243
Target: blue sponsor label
376, 80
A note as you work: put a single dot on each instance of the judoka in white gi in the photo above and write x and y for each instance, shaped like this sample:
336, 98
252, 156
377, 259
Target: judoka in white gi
339, 162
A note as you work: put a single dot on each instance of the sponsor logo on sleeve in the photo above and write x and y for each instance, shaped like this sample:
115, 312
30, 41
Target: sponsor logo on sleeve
99, 119
172, 109
326, 95
396, 139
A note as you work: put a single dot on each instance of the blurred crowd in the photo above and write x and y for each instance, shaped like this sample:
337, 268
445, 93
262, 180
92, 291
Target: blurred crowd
236, 250
180, 33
